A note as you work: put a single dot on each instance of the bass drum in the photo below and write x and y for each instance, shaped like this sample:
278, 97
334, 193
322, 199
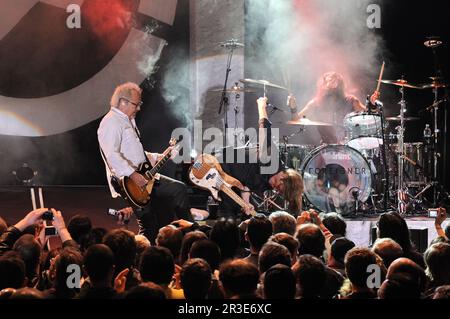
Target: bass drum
334, 176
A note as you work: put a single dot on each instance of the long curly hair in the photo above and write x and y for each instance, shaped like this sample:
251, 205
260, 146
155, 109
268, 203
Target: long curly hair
330, 84
293, 190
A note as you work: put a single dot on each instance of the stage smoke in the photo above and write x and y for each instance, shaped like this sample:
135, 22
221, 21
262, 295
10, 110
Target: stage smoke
299, 40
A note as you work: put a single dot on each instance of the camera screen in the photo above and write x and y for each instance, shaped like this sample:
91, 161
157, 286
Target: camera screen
50, 231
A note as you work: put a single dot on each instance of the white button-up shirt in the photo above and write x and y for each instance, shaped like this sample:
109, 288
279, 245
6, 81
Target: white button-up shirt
121, 146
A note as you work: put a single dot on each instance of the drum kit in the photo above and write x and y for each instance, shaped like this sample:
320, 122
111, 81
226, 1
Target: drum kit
369, 171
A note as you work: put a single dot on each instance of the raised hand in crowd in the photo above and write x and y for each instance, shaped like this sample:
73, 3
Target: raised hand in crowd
440, 218
30, 219
60, 225
176, 283
120, 281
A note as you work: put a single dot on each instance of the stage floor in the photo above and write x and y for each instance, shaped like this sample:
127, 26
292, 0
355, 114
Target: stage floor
95, 201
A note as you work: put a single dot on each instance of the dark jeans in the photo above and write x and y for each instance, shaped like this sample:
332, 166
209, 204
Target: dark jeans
169, 201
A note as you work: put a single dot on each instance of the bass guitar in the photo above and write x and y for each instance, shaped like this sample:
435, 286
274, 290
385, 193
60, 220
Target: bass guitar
207, 173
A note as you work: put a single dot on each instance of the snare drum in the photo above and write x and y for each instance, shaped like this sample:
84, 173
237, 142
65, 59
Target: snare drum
293, 155
334, 176
363, 131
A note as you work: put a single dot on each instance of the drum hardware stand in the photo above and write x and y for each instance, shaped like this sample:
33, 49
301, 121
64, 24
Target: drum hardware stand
433, 43
383, 158
355, 191
268, 200
401, 192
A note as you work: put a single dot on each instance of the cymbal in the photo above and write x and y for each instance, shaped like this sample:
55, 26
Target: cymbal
435, 84
234, 89
406, 118
307, 122
263, 82
402, 83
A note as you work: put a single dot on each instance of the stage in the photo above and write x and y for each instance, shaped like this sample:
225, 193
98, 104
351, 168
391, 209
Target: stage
94, 202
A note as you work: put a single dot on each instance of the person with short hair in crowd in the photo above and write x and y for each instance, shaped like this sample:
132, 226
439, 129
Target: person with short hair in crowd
335, 224
339, 248
287, 241
282, 222
357, 260
387, 249
99, 266
279, 283
311, 276
225, 233
195, 278
437, 259
259, 229
123, 245
170, 237
239, 279
157, 265
59, 275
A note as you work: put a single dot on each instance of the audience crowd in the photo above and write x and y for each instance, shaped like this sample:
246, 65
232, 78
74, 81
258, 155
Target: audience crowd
264, 257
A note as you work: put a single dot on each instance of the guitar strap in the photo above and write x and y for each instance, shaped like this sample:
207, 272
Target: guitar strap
114, 180
139, 138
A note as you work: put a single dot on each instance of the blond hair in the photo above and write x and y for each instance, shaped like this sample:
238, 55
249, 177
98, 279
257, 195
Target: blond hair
124, 90
293, 190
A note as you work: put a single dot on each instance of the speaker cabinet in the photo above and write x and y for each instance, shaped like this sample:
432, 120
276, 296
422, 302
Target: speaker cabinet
419, 237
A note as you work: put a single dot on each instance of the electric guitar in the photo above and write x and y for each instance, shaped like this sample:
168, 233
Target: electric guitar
135, 195
207, 173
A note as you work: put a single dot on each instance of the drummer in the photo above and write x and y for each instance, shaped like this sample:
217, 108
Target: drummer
330, 104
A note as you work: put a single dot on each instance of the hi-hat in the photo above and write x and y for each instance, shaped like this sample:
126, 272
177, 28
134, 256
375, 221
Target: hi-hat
402, 83
436, 83
405, 118
307, 122
263, 82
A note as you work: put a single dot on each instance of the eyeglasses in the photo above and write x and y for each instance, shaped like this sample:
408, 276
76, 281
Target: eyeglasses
139, 104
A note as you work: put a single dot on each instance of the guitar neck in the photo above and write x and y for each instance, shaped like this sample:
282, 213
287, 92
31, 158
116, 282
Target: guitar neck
155, 169
235, 197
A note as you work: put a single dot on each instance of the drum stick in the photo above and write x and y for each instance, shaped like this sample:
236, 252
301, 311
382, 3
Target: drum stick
33, 198
380, 77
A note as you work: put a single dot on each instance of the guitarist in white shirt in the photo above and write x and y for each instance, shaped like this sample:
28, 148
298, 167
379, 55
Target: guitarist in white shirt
123, 153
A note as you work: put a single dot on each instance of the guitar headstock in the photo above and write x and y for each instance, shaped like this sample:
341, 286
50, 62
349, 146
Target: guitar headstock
173, 141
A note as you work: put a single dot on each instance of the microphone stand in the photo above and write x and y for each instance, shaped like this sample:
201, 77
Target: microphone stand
224, 102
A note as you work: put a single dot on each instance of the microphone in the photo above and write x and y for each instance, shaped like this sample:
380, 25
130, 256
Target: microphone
368, 104
355, 191
378, 103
